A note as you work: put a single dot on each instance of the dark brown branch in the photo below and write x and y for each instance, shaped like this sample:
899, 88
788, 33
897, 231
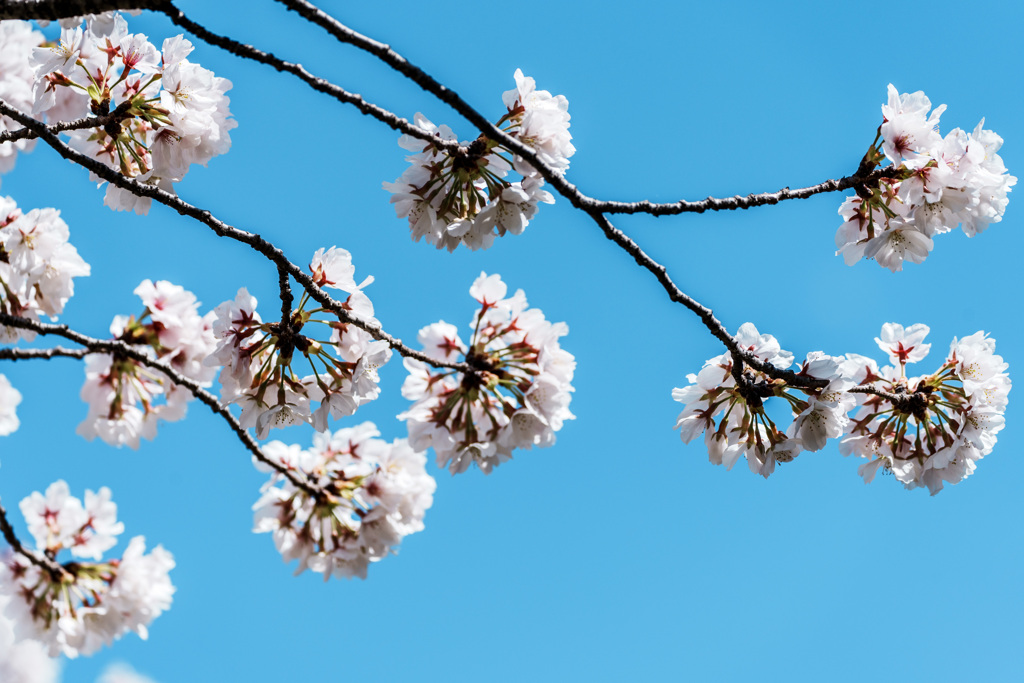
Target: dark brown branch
60, 9
741, 202
319, 84
594, 208
88, 122
910, 403
286, 297
427, 82
255, 241
578, 199
133, 352
41, 354
703, 312
591, 206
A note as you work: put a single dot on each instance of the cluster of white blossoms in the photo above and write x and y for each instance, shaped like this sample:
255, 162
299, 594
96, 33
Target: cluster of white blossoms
926, 430
174, 113
942, 423
464, 197
122, 393
37, 266
75, 607
372, 494
262, 360
936, 183
17, 38
516, 396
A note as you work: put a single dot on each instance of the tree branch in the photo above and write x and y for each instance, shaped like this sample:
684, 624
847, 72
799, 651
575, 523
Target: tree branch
286, 297
591, 206
910, 403
742, 202
60, 126
255, 241
383, 52
127, 350
60, 9
703, 312
316, 83
41, 354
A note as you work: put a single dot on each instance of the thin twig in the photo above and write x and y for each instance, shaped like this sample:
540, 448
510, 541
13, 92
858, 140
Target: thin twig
222, 229
129, 351
578, 199
904, 403
594, 208
316, 83
61, 126
44, 354
703, 312
741, 201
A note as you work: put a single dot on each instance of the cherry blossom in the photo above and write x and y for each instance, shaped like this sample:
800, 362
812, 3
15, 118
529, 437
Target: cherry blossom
372, 495
517, 396
80, 606
37, 265
17, 38
464, 197
122, 673
23, 661
729, 409
927, 430
177, 111
262, 361
126, 398
943, 424
935, 184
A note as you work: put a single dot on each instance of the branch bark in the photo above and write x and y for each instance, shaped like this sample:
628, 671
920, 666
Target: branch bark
127, 350
60, 9
255, 241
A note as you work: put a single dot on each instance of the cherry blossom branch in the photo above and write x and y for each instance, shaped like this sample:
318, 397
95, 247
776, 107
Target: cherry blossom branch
59, 9
221, 229
427, 82
43, 9
386, 54
905, 403
286, 296
41, 560
703, 312
43, 354
591, 206
316, 83
741, 201
88, 122
567, 189
117, 347
594, 208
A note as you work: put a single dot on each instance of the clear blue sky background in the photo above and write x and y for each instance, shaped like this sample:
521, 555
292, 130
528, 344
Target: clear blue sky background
619, 554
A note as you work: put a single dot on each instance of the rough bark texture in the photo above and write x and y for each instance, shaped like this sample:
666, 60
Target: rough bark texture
60, 9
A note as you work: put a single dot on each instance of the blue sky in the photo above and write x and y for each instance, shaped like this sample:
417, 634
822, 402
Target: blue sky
620, 553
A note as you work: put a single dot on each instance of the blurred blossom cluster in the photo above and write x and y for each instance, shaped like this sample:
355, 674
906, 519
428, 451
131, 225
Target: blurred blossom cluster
81, 605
